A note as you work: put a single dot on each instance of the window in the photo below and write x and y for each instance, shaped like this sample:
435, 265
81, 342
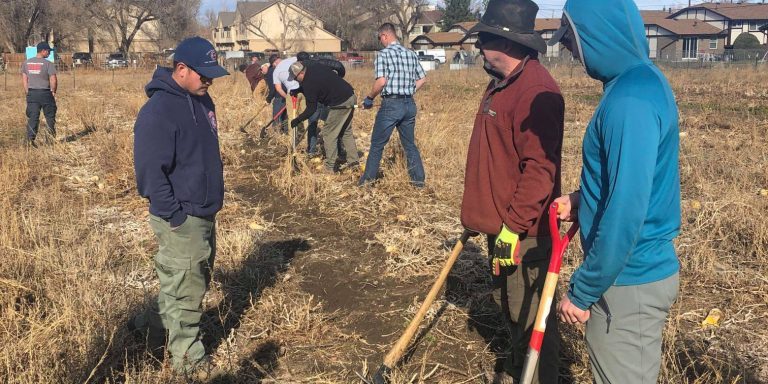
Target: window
737, 24
427, 28
690, 47
754, 25
713, 43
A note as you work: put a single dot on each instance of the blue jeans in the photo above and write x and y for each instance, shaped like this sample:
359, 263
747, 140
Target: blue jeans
400, 113
320, 114
277, 104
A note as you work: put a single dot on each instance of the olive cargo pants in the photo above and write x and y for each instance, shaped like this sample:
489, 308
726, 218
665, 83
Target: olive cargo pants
338, 130
183, 264
518, 292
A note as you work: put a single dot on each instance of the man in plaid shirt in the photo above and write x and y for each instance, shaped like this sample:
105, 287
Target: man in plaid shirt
398, 76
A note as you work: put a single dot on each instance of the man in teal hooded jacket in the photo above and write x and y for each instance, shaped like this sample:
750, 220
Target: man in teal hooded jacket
629, 201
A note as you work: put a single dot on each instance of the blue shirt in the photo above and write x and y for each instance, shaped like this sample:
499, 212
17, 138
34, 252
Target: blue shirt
401, 68
629, 209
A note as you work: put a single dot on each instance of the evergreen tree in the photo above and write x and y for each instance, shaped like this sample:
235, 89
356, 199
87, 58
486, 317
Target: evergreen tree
455, 11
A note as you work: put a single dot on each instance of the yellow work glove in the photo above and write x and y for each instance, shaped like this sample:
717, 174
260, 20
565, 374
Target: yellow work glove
506, 250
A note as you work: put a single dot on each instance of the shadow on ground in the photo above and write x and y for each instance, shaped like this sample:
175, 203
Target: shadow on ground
241, 286
89, 129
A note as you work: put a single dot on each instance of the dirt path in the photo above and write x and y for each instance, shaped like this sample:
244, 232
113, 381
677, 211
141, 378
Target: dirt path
342, 268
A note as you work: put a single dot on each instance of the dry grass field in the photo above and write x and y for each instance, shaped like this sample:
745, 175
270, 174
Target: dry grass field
315, 278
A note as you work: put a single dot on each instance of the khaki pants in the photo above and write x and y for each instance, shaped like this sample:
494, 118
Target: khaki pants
338, 127
183, 264
624, 331
518, 292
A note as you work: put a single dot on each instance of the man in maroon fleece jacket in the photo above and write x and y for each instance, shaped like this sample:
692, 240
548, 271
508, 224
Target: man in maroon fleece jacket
513, 174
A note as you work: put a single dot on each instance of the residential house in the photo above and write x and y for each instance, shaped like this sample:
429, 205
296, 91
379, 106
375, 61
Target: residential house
685, 39
106, 38
456, 37
547, 28
702, 31
735, 19
276, 25
428, 22
453, 39
225, 33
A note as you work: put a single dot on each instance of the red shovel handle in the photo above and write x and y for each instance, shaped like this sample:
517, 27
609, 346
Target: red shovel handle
559, 244
547, 297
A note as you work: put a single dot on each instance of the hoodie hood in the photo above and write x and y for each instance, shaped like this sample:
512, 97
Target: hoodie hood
610, 36
162, 80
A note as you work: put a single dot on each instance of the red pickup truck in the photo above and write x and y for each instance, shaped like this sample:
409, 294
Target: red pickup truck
350, 58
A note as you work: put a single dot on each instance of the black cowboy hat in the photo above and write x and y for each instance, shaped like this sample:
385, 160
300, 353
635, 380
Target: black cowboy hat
513, 20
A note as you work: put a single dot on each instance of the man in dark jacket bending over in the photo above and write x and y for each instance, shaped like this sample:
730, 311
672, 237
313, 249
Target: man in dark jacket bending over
322, 110
321, 85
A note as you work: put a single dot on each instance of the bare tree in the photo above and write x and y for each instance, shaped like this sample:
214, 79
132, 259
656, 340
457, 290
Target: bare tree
178, 21
124, 19
351, 20
403, 13
18, 20
294, 25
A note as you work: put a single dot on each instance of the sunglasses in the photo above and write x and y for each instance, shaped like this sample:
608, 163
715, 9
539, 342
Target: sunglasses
202, 78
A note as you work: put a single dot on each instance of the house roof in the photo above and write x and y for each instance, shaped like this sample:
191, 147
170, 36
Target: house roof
250, 8
649, 16
746, 11
430, 17
441, 37
465, 25
226, 18
547, 25
687, 27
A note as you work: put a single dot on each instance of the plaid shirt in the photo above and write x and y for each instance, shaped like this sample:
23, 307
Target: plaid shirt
401, 68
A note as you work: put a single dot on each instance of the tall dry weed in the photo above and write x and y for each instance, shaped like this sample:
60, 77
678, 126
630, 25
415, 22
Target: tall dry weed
77, 251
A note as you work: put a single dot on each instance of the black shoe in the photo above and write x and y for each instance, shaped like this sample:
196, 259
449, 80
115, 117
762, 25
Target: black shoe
31, 143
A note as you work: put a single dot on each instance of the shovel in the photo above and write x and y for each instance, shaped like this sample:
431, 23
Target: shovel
394, 355
294, 134
559, 244
263, 132
247, 123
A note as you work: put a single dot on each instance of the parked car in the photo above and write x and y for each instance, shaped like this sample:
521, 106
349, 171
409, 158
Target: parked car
439, 54
423, 57
353, 58
116, 60
82, 59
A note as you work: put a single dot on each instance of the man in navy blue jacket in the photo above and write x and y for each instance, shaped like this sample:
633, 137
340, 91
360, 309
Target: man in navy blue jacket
179, 169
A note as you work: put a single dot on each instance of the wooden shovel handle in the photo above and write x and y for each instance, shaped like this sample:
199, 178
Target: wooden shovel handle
397, 351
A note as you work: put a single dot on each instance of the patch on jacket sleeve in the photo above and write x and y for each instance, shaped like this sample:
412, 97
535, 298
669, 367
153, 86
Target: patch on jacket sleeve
212, 121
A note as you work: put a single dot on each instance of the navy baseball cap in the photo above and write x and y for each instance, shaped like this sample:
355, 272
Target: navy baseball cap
43, 46
200, 55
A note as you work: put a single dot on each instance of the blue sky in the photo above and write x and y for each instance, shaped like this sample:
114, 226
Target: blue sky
547, 8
